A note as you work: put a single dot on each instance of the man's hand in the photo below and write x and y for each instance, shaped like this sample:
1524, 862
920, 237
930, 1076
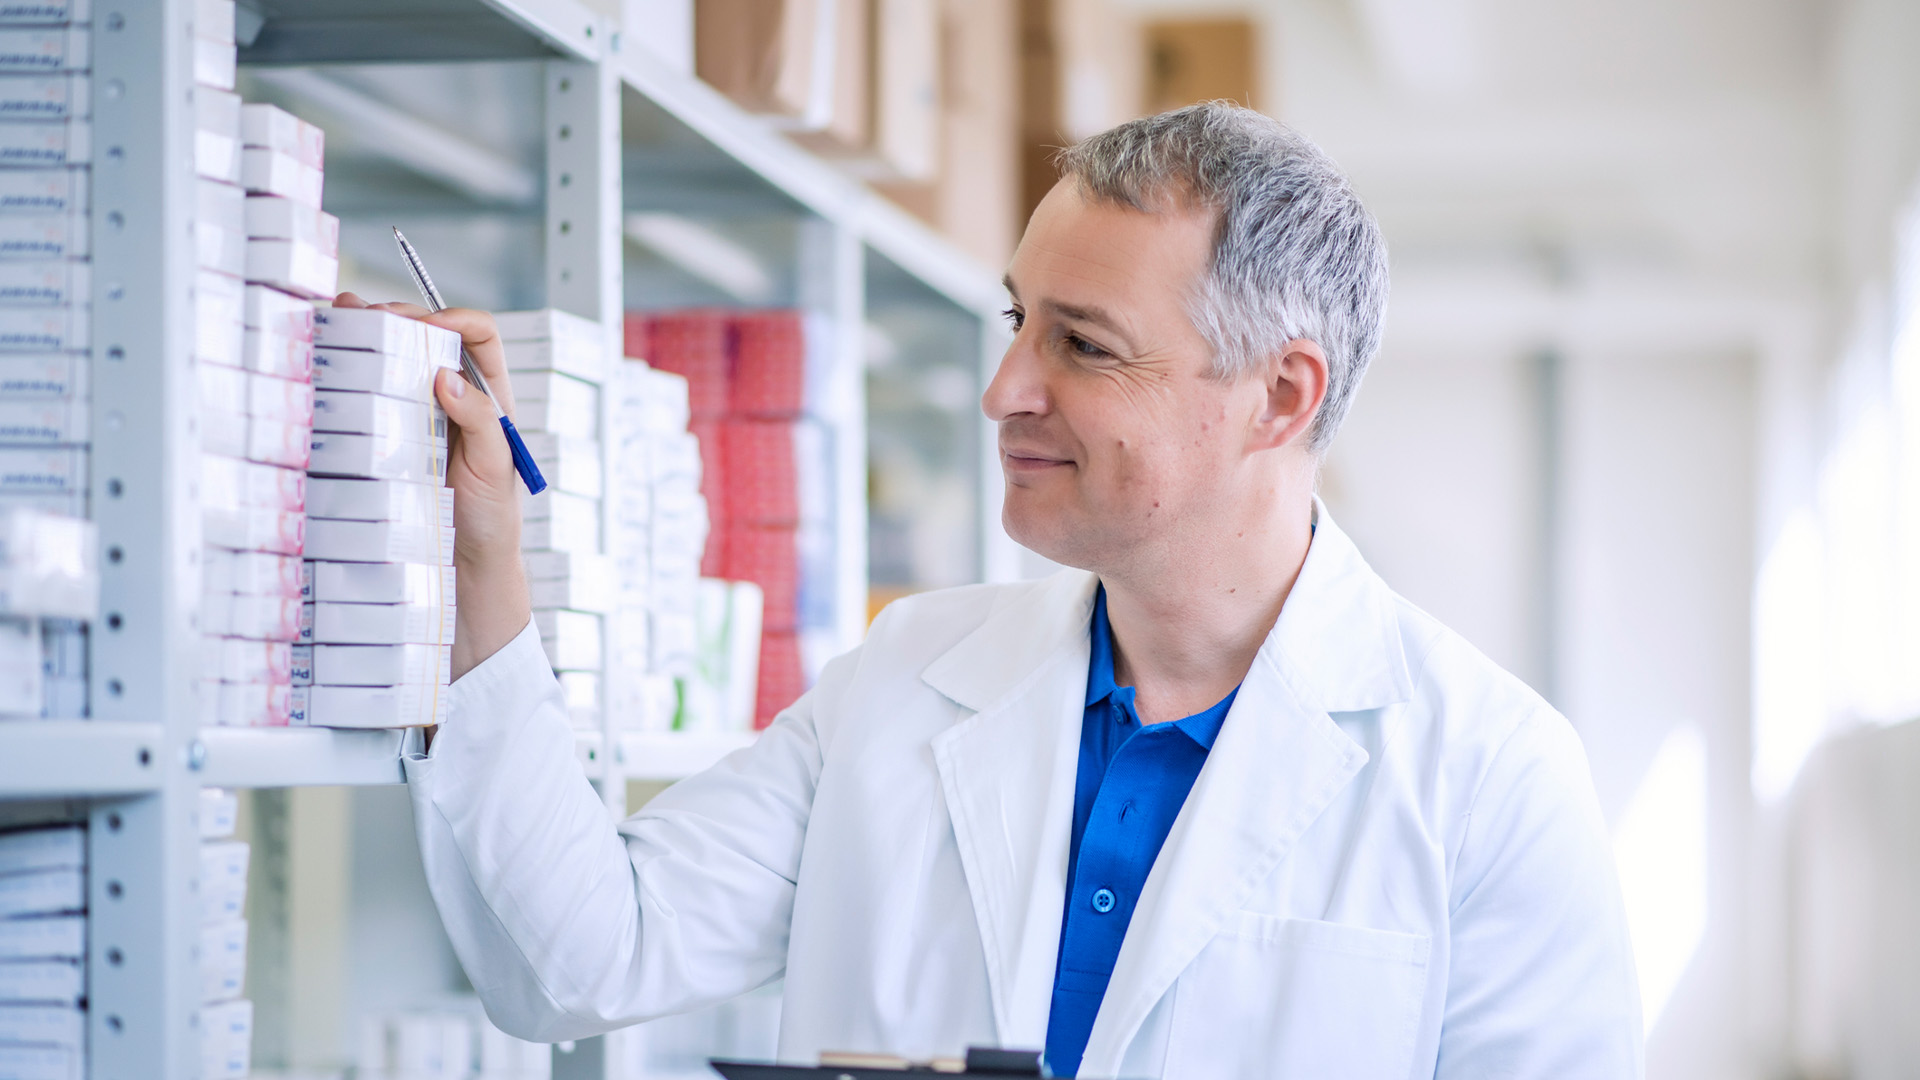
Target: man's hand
491, 582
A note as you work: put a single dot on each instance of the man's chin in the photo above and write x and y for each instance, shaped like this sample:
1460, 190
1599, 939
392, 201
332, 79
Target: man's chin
1044, 532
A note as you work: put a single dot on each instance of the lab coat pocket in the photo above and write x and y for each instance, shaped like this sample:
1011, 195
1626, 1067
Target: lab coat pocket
1299, 999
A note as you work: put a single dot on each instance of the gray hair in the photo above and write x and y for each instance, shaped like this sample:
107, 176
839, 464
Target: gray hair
1295, 255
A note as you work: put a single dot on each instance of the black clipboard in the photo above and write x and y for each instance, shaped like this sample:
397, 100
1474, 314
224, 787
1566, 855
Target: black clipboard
981, 1061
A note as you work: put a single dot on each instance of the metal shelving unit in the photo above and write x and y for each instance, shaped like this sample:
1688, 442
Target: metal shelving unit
619, 134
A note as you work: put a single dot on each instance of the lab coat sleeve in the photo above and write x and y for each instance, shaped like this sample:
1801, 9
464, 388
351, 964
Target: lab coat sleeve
1542, 982
569, 926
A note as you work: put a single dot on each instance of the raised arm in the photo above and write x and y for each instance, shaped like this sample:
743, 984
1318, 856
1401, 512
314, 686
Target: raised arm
568, 926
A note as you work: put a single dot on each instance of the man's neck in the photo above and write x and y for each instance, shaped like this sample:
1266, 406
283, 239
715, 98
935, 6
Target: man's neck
1185, 633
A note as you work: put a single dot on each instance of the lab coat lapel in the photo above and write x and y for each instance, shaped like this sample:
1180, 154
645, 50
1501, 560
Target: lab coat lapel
1008, 774
1278, 762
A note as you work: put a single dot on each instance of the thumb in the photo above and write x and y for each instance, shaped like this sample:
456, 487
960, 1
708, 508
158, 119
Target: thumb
482, 442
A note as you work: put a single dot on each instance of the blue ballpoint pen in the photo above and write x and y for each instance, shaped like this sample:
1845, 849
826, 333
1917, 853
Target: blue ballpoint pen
523, 462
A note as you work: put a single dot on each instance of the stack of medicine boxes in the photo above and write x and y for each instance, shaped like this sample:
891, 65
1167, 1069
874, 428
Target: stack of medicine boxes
226, 1019
558, 363
265, 251
45, 288
379, 524
49, 584
43, 900
661, 521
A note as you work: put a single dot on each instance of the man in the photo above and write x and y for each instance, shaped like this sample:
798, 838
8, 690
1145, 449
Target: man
1215, 804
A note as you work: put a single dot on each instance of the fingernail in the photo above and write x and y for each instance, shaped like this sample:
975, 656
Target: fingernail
456, 385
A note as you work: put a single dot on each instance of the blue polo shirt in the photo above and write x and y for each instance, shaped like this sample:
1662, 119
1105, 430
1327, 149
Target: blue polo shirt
1131, 785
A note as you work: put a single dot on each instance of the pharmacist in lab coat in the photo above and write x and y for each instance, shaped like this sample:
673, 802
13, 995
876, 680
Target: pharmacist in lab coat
1215, 804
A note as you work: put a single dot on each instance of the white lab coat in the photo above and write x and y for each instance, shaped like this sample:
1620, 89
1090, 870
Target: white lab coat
1392, 865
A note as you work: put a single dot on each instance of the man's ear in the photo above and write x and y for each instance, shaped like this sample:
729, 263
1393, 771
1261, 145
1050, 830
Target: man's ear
1295, 383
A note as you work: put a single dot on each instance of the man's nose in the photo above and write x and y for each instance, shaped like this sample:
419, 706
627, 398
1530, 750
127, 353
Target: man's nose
1018, 385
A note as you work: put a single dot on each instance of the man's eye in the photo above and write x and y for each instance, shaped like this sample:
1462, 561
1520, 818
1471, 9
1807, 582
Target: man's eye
1082, 347
1014, 318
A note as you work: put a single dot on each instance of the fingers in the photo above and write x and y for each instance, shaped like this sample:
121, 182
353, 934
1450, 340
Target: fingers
482, 339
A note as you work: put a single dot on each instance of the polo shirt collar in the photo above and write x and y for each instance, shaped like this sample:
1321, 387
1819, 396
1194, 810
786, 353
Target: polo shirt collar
1202, 727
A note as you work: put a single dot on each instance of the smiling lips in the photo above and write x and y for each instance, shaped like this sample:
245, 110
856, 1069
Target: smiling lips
1023, 460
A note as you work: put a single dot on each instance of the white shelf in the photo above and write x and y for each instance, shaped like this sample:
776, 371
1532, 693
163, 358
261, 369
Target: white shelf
299, 757
53, 758
676, 755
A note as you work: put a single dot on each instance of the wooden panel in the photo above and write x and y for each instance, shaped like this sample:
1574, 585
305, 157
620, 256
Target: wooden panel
1191, 60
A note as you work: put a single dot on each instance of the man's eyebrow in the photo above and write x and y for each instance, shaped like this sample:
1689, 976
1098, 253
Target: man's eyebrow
1097, 316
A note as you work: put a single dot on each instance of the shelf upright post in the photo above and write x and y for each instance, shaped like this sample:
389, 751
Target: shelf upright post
583, 277
833, 282
144, 867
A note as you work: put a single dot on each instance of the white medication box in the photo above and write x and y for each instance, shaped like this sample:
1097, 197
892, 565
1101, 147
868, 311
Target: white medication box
570, 465
572, 639
552, 565
407, 378
42, 982
214, 63
216, 135
378, 541
240, 660
270, 217
355, 412
550, 534
384, 332
382, 624
50, 422
382, 665
282, 355
46, 144
269, 172
43, 236
253, 528
277, 442
226, 1034
51, 847
223, 960
27, 470
44, 49
550, 324
274, 312
260, 618
219, 813
42, 892
272, 128
45, 97
572, 594
580, 361
410, 705
256, 573
378, 500
56, 937
43, 191
285, 400
219, 229
383, 583
41, 330
372, 457
212, 19
233, 482
297, 267
45, 284
223, 880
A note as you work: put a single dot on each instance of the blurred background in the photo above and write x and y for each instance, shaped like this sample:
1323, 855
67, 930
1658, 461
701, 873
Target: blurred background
1645, 427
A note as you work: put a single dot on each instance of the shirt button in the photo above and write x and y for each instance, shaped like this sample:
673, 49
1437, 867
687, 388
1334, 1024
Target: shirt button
1103, 901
